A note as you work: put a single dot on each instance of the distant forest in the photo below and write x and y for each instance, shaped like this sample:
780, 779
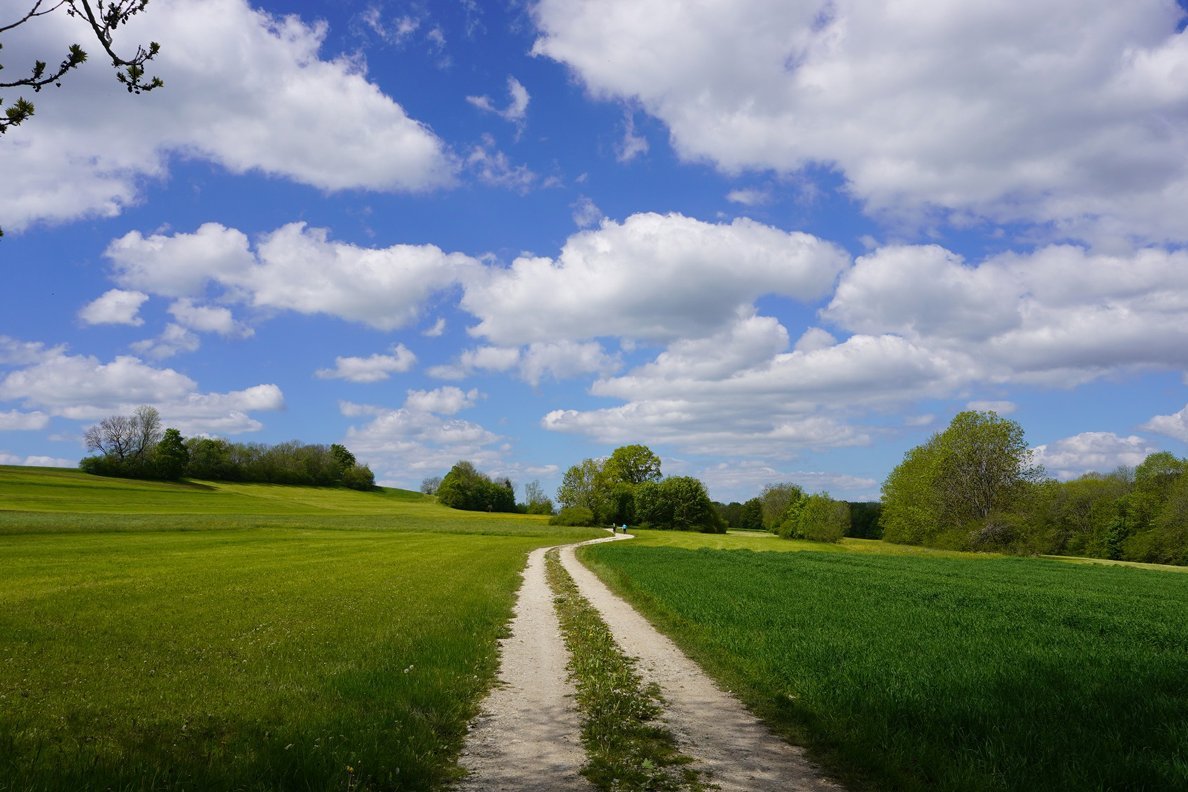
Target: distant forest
134, 446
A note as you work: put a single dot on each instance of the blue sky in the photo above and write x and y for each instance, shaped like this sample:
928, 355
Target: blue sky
772, 240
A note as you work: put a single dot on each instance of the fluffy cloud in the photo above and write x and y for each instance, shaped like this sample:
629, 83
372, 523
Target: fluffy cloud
115, 306
14, 420
919, 322
81, 387
405, 445
1059, 315
1000, 407
1174, 425
207, 319
443, 401
243, 89
180, 265
922, 291
1091, 451
702, 427
922, 323
294, 268
15, 352
741, 392
1004, 110
484, 358
174, 339
37, 461
652, 277
374, 368
301, 270
534, 362
862, 370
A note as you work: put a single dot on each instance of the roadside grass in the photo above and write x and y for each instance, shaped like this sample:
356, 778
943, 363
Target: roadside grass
628, 746
912, 672
343, 647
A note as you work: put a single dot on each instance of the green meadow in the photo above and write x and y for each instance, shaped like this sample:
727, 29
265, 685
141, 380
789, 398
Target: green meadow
254, 637
248, 637
915, 669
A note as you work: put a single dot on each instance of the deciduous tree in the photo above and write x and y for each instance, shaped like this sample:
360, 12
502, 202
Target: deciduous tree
631, 464
964, 483
580, 487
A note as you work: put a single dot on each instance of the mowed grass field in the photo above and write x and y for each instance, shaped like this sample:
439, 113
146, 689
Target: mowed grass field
248, 637
915, 669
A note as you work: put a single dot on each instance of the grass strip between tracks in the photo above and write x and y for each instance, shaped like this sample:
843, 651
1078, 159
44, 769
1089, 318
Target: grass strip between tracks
629, 748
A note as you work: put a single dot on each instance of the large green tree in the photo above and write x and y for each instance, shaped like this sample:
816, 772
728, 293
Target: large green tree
775, 502
678, 503
631, 464
580, 486
820, 518
962, 486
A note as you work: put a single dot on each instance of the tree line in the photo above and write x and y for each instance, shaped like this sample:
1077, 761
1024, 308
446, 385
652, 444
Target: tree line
789, 511
626, 488
136, 446
975, 486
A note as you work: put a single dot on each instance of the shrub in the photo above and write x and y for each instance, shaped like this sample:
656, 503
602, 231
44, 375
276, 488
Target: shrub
573, 515
358, 477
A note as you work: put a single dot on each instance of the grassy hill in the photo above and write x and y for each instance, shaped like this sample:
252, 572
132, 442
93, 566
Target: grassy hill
59, 500
223, 636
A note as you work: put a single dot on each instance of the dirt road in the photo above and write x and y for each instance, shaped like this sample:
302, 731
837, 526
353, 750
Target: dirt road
528, 737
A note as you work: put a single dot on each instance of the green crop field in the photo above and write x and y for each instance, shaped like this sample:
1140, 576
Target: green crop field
218, 637
925, 670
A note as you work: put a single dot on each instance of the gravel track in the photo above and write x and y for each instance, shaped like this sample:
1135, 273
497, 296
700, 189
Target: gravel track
528, 736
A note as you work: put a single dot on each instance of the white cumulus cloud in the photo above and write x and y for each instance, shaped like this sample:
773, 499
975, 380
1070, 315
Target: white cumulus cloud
373, 368
405, 445
1174, 425
207, 318
652, 277
243, 89
443, 401
15, 420
1068, 112
115, 306
1089, 452
294, 268
84, 388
